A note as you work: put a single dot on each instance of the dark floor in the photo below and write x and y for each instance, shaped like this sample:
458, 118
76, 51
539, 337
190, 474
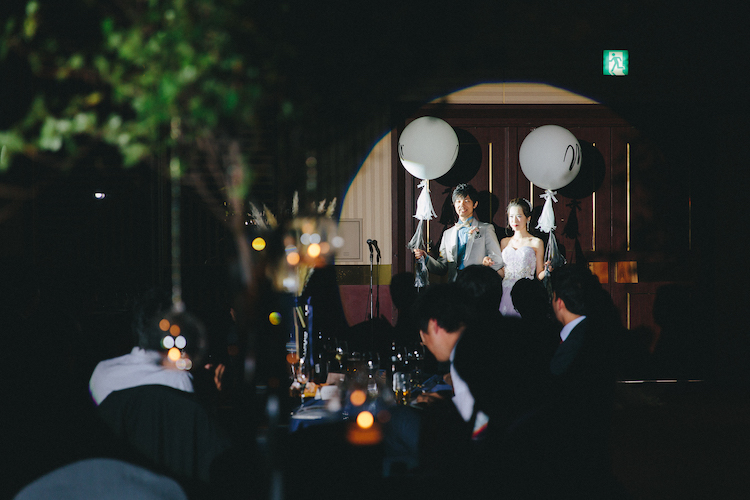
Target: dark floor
682, 441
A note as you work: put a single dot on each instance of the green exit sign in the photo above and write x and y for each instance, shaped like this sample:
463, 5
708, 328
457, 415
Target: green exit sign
615, 62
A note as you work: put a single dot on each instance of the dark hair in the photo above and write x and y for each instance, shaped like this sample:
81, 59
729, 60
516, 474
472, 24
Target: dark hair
148, 310
446, 303
483, 284
155, 305
530, 299
519, 202
465, 191
403, 291
575, 285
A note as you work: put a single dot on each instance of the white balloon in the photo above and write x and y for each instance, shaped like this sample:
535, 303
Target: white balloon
428, 147
550, 157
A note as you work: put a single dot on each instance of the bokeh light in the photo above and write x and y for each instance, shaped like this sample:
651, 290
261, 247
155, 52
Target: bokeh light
292, 258
180, 342
259, 244
167, 342
337, 242
174, 330
358, 397
313, 250
174, 354
315, 238
184, 364
292, 358
365, 419
164, 325
274, 318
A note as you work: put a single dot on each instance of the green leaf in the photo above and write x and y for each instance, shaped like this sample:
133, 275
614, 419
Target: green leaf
134, 153
50, 137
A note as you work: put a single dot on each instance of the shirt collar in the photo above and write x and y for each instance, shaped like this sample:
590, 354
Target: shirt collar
569, 327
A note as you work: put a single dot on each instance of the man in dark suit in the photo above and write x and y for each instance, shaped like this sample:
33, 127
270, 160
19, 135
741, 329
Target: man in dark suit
490, 359
583, 374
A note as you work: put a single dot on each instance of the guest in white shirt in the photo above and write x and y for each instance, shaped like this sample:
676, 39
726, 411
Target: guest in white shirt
148, 362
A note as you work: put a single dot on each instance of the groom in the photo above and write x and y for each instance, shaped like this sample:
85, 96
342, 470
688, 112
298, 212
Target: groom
468, 242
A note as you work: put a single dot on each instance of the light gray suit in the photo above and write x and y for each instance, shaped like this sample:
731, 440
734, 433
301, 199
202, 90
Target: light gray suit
481, 243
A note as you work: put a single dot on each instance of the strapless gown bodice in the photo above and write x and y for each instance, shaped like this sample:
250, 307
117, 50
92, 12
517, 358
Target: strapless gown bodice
519, 263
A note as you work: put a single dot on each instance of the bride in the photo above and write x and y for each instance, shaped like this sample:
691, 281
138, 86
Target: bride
522, 253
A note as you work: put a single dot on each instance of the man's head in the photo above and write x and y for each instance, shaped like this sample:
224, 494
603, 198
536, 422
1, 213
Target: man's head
443, 313
154, 319
483, 284
530, 298
148, 310
571, 285
465, 200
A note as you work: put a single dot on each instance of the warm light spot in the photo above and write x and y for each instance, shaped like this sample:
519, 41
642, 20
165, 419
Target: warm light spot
167, 342
292, 258
164, 325
292, 358
174, 354
274, 318
365, 419
358, 397
356, 435
259, 244
308, 227
180, 342
313, 250
174, 330
325, 248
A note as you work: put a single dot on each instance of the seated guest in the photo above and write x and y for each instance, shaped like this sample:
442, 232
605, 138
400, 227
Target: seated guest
496, 444
147, 363
443, 313
583, 371
483, 284
540, 325
148, 403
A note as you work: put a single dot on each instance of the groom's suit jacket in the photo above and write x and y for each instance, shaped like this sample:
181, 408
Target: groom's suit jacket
481, 242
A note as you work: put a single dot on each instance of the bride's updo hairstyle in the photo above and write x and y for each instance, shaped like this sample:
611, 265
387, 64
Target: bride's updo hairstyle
517, 202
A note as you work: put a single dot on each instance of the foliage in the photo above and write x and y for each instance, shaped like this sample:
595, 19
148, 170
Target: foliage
144, 77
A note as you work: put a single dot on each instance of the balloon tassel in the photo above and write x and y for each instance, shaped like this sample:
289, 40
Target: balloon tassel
425, 211
547, 218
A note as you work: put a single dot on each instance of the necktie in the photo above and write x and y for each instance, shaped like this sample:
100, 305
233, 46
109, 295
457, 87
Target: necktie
462, 235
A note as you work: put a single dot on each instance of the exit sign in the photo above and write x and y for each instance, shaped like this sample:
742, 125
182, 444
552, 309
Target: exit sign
615, 62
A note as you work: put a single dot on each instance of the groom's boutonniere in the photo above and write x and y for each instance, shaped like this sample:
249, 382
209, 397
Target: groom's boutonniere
475, 231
